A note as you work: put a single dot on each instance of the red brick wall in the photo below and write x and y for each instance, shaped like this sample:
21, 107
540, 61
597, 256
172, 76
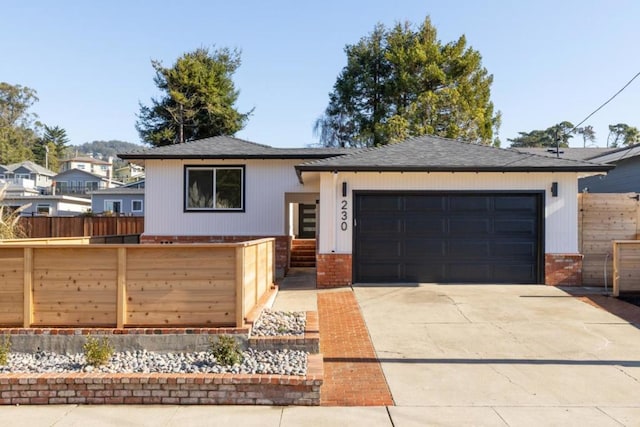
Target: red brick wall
333, 270
171, 389
282, 244
563, 269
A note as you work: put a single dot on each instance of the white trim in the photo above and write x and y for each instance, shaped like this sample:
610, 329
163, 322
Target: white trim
105, 209
141, 206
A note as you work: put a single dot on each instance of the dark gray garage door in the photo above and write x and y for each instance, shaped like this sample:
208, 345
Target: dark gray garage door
448, 237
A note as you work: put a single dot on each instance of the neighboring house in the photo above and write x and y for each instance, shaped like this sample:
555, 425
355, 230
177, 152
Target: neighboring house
48, 205
624, 178
80, 183
129, 173
426, 209
27, 178
88, 164
122, 200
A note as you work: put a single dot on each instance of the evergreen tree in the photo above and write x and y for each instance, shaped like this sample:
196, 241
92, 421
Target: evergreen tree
558, 134
18, 127
402, 82
197, 102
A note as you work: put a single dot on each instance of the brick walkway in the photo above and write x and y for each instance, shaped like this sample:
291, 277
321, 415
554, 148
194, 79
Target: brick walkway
352, 374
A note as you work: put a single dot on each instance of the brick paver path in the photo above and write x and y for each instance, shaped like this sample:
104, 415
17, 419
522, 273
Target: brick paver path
352, 374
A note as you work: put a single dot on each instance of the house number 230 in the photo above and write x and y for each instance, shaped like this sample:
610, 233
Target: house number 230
344, 215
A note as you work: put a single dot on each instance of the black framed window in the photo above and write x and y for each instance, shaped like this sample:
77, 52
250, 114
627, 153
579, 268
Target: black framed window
214, 188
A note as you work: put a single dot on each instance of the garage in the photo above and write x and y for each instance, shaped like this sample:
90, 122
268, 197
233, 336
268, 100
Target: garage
448, 237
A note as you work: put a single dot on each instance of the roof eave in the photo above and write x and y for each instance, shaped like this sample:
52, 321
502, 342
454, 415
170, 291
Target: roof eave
313, 168
225, 156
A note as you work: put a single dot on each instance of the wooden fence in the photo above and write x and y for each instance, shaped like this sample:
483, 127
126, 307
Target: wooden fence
120, 286
60, 226
603, 218
626, 266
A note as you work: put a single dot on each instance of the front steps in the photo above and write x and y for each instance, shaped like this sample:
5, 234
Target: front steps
303, 253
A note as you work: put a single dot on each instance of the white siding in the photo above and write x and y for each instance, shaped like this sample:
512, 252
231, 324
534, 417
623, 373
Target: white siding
266, 182
561, 213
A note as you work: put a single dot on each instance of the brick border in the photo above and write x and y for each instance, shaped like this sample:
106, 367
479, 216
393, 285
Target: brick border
333, 270
170, 389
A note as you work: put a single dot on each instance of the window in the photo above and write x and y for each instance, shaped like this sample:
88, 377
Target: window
114, 206
91, 185
80, 166
214, 188
136, 206
43, 209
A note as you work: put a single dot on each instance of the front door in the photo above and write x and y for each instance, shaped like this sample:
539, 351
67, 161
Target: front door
306, 221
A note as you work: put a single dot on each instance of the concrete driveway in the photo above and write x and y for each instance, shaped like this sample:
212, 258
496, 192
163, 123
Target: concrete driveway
502, 355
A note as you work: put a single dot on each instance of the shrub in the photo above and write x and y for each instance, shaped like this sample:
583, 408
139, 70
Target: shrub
10, 227
5, 349
97, 352
226, 350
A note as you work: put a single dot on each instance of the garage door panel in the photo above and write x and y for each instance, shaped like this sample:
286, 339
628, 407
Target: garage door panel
380, 272
469, 226
515, 203
425, 204
380, 249
424, 248
381, 204
510, 227
476, 249
425, 226
514, 249
468, 204
448, 238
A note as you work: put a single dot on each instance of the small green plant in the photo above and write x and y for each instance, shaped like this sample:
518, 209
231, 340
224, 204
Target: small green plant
5, 349
226, 350
97, 352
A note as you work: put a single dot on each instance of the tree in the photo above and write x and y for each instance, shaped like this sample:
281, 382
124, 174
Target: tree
51, 147
558, 134
622, 134
588, 134
18, 127
404, 82
198, 99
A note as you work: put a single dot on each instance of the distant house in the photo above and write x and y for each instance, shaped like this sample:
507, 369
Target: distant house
26, 178
48, 205
128, 173
122, 200
80, 183
89, 164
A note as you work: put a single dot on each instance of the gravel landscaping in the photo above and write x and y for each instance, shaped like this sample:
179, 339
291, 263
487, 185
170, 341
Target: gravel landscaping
270, 323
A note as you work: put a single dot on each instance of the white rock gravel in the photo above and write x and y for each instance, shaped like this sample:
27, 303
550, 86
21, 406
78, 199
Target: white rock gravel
270, 323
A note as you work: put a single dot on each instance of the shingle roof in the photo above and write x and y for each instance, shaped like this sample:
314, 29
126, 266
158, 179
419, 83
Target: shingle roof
617, 154
119, 190
228, 147
430, 153
33, 167
571, 153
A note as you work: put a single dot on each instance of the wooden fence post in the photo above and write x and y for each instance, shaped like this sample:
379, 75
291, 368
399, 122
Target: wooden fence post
27, 292
239, 285
616, 269
121, 303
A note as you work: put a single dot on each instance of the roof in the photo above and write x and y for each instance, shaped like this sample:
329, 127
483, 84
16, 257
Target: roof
618, 154
227, 147
33, 167
119, 190
86, 159
571, 153
431, 153
80, 171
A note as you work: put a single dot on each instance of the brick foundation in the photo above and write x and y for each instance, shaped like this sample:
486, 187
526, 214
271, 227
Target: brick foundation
171, 389
282, 245
563, 269
333, 270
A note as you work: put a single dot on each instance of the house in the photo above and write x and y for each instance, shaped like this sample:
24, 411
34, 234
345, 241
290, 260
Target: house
26, 178
426, 209
129, 173
88, 164
53, 205
120, 200
80, 183
624, 178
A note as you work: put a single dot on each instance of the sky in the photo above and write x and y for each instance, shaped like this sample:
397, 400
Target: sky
90, 61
